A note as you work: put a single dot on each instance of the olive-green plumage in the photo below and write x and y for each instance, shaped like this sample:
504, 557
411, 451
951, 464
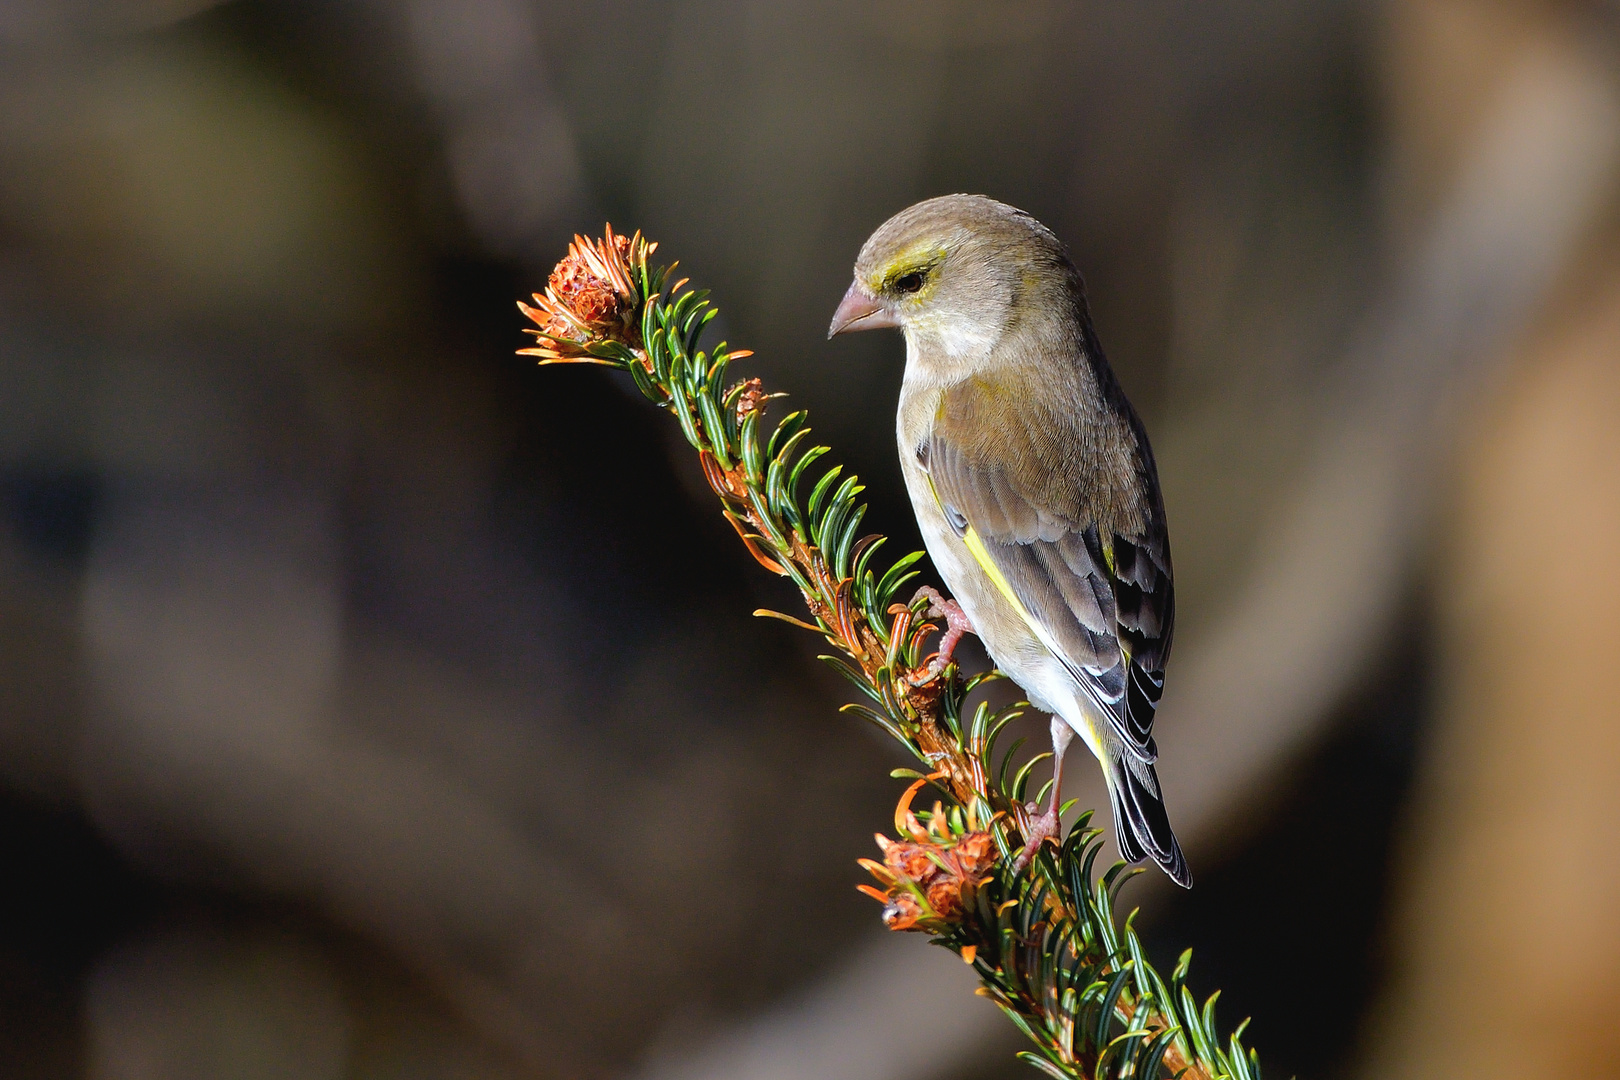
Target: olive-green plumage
1033, 482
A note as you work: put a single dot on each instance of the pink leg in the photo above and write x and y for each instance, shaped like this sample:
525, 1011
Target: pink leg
956, 624
1045, 827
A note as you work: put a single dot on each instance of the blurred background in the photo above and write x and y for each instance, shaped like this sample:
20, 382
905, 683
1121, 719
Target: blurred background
374, 704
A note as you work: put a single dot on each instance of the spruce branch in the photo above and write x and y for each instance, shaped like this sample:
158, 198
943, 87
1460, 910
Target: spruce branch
1045, 942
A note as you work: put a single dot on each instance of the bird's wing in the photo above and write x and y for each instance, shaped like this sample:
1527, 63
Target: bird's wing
1026, 503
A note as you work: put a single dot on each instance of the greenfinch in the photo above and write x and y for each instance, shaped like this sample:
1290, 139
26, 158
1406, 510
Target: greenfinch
1034, 486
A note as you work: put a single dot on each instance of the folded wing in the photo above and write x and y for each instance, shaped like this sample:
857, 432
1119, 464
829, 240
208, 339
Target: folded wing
1093, 583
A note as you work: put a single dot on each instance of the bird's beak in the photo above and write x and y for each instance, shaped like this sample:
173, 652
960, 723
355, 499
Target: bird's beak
858, 311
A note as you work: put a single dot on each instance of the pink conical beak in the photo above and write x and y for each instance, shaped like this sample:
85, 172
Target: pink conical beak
858, 311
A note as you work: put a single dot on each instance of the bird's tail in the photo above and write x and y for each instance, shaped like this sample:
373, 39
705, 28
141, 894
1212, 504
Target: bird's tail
1140, 823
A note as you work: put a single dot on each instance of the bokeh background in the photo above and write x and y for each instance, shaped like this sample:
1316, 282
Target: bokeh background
374, 704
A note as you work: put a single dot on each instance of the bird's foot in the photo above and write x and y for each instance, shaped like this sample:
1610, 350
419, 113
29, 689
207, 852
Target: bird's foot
956, 624
1041, 830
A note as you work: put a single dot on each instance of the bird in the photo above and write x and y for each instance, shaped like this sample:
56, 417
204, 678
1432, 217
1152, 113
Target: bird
1034, 487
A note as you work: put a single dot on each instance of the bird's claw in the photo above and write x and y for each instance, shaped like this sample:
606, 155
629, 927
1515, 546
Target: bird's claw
1041, 830
956, 624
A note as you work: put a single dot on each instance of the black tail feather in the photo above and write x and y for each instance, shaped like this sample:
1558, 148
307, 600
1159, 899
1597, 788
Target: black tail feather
1141, 825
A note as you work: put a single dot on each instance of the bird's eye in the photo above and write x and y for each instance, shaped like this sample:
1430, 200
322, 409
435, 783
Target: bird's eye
909, 283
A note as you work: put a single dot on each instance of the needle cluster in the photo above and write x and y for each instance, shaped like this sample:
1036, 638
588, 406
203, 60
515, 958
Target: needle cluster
1044, 940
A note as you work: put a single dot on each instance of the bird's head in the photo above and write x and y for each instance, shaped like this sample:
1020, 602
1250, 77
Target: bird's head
955, 273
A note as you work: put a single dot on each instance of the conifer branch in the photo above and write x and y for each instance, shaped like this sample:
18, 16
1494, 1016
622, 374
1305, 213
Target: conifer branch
1045, 942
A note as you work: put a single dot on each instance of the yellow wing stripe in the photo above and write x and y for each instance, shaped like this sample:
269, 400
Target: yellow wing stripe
981, 555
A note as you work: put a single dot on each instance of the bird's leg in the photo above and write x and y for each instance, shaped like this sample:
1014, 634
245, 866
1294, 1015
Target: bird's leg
1045, 827
956, 624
